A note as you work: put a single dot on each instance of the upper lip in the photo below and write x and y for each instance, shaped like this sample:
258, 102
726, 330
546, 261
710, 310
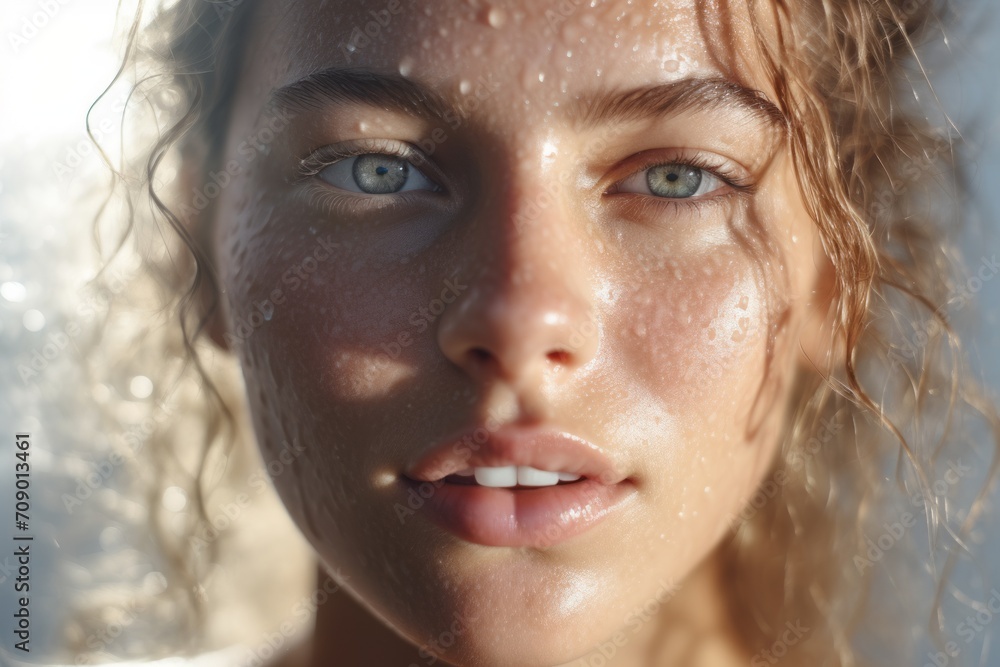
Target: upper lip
541, 448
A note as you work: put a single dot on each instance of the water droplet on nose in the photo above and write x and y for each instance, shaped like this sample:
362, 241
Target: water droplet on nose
541, 77
464, 87
496, 17
405, 66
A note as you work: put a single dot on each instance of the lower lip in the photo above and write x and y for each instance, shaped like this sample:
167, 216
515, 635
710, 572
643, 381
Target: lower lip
502, 517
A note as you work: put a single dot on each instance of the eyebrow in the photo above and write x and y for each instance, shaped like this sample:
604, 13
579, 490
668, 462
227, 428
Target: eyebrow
393, 92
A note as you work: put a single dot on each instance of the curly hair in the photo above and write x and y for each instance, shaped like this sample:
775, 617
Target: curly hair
872, 430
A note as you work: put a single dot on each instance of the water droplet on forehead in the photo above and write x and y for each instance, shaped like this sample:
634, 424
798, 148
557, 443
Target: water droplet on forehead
405, 66
496, 17
464, 87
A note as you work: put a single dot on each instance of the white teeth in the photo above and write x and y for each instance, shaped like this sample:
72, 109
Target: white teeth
502, 476
507, 476
528, 476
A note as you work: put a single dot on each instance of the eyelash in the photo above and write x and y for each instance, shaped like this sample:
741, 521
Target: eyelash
326, 156
740, 185
312, 165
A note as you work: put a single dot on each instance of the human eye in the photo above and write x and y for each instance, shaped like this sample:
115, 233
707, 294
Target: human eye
369, 168
693, 178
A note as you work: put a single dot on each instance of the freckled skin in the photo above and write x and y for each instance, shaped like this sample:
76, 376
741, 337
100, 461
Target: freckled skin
660, 314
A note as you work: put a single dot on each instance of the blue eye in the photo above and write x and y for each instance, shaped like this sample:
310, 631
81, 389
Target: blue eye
376, 174
674, 180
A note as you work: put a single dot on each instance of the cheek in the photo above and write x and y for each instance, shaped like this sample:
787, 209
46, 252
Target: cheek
695, 331
355, 318
693, 344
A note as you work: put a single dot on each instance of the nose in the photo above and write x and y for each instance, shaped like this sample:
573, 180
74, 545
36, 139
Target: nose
529, 307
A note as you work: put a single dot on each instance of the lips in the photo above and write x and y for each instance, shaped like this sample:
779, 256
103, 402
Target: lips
528, 486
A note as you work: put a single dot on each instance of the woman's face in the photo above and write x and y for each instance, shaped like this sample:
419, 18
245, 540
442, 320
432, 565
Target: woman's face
456, 235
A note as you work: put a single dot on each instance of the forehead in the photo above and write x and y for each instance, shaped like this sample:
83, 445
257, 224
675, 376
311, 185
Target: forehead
539, 53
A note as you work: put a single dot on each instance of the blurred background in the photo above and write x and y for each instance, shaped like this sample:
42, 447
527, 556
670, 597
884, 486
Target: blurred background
56, 56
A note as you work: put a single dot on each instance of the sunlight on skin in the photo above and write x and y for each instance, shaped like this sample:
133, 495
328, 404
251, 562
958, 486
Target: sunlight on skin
634, 321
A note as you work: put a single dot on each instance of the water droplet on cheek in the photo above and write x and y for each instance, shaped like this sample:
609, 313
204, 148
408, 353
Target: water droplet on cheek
464, 87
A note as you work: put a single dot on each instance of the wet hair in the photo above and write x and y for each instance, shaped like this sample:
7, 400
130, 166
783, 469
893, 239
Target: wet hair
871, 431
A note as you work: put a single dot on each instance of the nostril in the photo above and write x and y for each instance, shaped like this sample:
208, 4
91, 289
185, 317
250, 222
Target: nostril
560, 357
480, 355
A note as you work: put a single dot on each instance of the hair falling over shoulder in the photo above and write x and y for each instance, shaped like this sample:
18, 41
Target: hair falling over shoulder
875, 441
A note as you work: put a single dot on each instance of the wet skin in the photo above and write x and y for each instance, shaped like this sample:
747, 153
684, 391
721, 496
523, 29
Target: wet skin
564, 251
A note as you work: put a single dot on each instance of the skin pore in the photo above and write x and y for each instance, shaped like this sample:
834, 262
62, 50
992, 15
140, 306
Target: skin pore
663, 328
